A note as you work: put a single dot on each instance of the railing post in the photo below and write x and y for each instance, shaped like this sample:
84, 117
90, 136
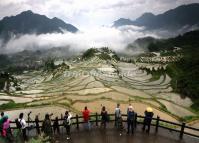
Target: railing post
77, 121
135, 120
182, 130
157, 124
96, 115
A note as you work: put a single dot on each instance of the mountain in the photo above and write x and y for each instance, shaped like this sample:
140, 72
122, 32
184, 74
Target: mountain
28, 22
186, 41
123, 21
182, 17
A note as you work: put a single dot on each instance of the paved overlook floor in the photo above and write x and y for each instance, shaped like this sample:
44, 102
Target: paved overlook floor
111, 135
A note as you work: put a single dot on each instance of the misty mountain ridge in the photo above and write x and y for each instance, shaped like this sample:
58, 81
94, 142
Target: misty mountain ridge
182, 18
140, 44
28, 22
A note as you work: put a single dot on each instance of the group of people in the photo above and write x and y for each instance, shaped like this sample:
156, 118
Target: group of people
131, 118
49, 128
5, 127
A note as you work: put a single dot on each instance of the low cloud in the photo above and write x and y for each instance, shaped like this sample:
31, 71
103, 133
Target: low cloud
116, 39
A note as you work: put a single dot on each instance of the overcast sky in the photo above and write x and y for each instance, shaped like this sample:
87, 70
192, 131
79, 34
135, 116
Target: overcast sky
89, 13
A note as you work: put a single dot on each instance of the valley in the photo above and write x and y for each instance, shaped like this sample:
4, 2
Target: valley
96, 82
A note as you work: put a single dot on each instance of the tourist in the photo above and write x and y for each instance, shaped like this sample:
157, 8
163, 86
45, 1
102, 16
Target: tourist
148, 118
46, 127
67, 123
37, 124
6, 131
117, 115
86, 117
130, 119
104, 117
56, 126
1, 122
22, 125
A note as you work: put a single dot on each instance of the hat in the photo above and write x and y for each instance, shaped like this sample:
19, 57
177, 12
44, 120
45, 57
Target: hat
149, 109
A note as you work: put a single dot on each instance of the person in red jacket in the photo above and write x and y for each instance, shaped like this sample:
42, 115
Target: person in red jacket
86, 117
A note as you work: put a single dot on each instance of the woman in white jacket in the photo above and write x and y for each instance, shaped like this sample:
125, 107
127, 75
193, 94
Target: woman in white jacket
67, 123
22, 121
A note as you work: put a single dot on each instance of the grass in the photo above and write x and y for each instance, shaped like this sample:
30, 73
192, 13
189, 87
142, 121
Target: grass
12, 105
189, 118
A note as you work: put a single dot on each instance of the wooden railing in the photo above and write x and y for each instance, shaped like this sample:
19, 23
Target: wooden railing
156, 122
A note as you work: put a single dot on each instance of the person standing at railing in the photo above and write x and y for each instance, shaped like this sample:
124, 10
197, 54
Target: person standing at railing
56, 126
21, 124
37, 124
148, 118
46, 127
67, 123
130, 119
86, 117
1, 121
104, 117
117, 115
6, 131
118, 119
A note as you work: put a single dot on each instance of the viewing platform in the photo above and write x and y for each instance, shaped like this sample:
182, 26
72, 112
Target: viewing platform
161, 131
112, 135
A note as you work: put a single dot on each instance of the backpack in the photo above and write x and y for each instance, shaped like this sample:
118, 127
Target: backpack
66, 122
18, 123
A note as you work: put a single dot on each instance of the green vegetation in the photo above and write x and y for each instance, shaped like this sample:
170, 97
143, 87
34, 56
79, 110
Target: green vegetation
4, 61
49, 65
89, 53
6, 77
103, 53
11, 105
190, 39
155, 73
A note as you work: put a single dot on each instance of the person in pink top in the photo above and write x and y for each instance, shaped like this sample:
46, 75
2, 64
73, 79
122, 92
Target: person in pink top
6, 131
86, 117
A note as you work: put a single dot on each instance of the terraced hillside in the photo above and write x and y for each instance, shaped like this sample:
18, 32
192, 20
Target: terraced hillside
93, 83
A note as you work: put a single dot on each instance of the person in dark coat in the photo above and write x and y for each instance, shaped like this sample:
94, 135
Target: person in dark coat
37, 124
130, 119
104, 117
148, 118
46, 126
56, 126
